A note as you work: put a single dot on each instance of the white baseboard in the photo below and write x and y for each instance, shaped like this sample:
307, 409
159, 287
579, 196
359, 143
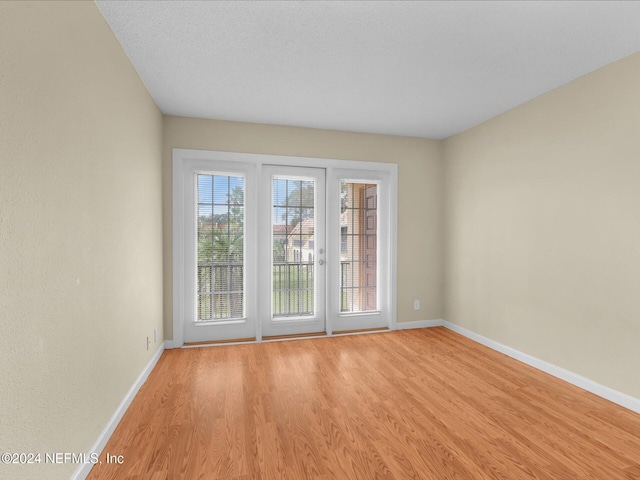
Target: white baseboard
610, 394
419, 324
83, 470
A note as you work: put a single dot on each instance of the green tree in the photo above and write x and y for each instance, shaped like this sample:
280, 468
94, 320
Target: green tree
344, 196
302, 200
278, 251
226, 244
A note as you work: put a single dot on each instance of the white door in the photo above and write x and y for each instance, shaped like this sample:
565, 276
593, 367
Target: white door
292, 242
219, 253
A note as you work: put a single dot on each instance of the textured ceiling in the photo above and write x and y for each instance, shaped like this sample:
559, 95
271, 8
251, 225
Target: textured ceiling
425, 69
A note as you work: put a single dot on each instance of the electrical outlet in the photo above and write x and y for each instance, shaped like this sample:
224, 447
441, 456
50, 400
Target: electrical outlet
416, 304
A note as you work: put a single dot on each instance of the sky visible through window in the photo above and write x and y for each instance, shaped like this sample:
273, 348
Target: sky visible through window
223, 185
216, 193
283, 188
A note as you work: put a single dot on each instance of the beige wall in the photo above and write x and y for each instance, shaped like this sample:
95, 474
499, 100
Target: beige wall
543, 227
80, 229
419, 197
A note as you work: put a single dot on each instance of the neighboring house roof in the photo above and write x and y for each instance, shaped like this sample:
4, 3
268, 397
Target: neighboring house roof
306, 227
279, 229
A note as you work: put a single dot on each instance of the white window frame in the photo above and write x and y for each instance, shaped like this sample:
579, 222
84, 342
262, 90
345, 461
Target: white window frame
384, 316
183, 165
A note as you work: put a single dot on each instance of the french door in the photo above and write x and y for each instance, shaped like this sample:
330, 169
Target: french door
292, 237
265, 250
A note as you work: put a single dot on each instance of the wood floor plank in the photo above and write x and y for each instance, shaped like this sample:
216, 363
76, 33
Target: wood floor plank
423, 404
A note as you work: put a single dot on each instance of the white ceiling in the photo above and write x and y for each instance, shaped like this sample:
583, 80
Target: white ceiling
424, 69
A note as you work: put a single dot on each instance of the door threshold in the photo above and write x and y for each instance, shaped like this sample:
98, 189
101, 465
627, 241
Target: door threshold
278, 338
360, 330
220, 342
295, 335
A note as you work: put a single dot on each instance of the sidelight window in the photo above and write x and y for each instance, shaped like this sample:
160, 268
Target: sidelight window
358, 247
220, 247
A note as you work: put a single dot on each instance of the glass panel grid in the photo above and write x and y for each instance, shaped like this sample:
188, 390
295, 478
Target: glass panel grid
293, 242
220, 249
358, 247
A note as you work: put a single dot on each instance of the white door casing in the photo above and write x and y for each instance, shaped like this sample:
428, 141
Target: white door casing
258, 247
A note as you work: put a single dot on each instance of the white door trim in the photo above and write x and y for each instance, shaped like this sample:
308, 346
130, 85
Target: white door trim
256, 161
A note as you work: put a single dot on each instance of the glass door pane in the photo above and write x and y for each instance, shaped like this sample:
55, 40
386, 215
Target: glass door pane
358, 247
220, 247
296, 241
293, 240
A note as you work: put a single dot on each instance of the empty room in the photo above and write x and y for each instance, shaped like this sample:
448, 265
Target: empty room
319, 240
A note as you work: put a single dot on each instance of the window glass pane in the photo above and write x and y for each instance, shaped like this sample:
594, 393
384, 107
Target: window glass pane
279, 192
220, 190
220, 249
293, 193
307, 194
358, 247
205, 189
293, 241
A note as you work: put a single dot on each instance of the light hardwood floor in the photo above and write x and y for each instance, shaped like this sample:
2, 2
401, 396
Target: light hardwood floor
426, 404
